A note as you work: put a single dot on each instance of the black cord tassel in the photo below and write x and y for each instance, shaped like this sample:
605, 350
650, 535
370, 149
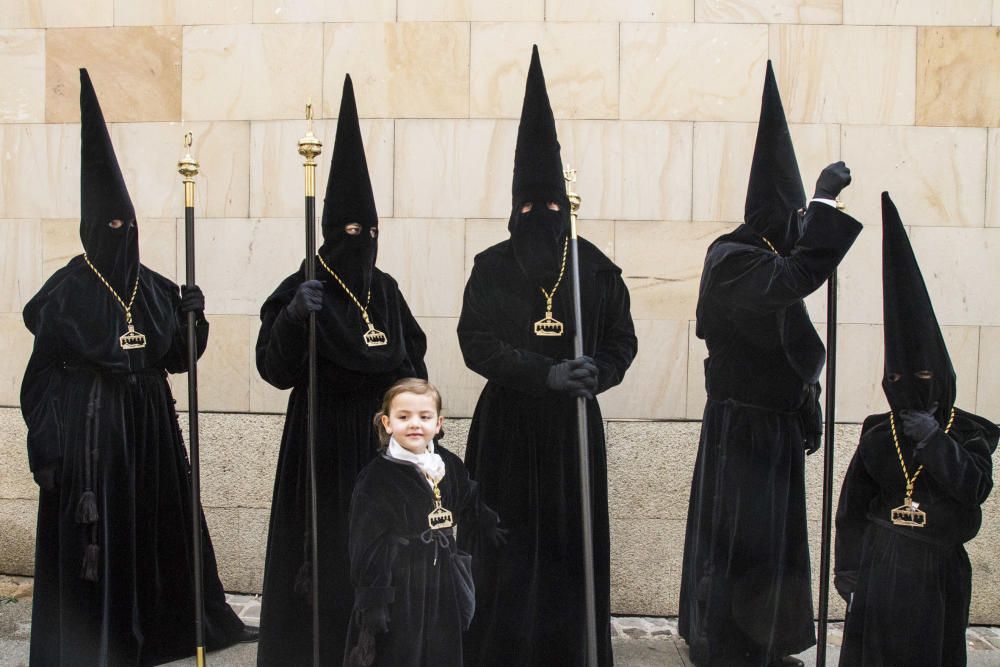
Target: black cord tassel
363, 653
303, 581
86, 509
90, 559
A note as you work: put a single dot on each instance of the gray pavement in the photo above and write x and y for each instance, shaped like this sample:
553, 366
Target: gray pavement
637, 641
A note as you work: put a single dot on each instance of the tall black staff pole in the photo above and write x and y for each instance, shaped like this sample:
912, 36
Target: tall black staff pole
188, 168
581, 428
828, 443
309, 147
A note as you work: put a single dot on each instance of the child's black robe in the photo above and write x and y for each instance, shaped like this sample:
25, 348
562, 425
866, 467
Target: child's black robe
396, 560
911, 586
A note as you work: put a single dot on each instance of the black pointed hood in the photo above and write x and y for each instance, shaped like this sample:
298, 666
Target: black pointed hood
775, 192
104, 197
913, 340
350, 199
538, 235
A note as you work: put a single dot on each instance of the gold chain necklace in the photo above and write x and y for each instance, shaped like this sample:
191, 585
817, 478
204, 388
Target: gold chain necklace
131, 339
548, 325
909, 514
373, 337
770, 245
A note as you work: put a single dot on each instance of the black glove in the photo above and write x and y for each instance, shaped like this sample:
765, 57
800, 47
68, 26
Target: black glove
919, 425
834, 178
192, 300
576, 377
47, 478
308, 299
846, 583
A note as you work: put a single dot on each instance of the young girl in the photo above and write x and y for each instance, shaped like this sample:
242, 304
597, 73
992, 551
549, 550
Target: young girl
413, 586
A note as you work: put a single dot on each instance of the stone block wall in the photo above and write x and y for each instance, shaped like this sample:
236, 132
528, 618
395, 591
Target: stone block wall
656, 104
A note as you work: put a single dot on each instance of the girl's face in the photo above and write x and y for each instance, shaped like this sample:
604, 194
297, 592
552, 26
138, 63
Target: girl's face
413, 420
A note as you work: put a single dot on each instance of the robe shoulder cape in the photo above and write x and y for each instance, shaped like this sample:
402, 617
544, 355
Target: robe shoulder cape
745, 585
418, 576
116, 527
523, 452
894, 570
352, 380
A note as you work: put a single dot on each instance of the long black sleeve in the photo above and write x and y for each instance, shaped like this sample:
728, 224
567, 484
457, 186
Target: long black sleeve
282, 348
964, 471
618, 345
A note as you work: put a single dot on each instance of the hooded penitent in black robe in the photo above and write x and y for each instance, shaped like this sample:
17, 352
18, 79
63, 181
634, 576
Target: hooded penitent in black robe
911, 586
745, 586
352, 379
419, 574
523, 447
114, 578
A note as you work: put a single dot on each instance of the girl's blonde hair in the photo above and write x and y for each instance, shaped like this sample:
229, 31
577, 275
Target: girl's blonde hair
403, 386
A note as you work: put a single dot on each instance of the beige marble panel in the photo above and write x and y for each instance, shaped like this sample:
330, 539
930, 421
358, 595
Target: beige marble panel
661, 263
77, 13
224, 369
470, 10
250, 258
957, 82
22, 14
400, 70
859, 285
276, 173
845, 74
144, 86
697, 352
769, 11
946, 190
993, 177
996, 12
580, 61
918, 12
988, 396
655, 386
666, 11
613, 183
22, 68
21, 264
692, 71
723, 153
263, 397
307, 11
860, 359
60, 243
182, 12
454, 168
426, 257
961, 271
16, 342
251, 71
148, 155
40, 176
459, 386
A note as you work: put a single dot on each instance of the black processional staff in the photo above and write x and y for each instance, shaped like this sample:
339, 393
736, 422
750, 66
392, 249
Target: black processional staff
581, 427
828, 441
310, 147
188, 168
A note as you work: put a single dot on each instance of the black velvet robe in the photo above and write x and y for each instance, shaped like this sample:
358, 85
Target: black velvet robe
745, 586
82, 394
352, 381
911, 586
523, 452
397, 560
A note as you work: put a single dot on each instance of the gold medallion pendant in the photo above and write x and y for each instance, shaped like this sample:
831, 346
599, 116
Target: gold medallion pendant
439, 518
908, 514
131, 339
372, 337
548, 325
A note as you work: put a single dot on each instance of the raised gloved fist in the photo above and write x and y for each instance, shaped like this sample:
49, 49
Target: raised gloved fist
919, 425
192, 300
576, 377
308, 299
834, 178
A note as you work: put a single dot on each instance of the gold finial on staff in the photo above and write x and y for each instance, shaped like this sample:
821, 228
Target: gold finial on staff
188, 168
309, 147
569, 175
